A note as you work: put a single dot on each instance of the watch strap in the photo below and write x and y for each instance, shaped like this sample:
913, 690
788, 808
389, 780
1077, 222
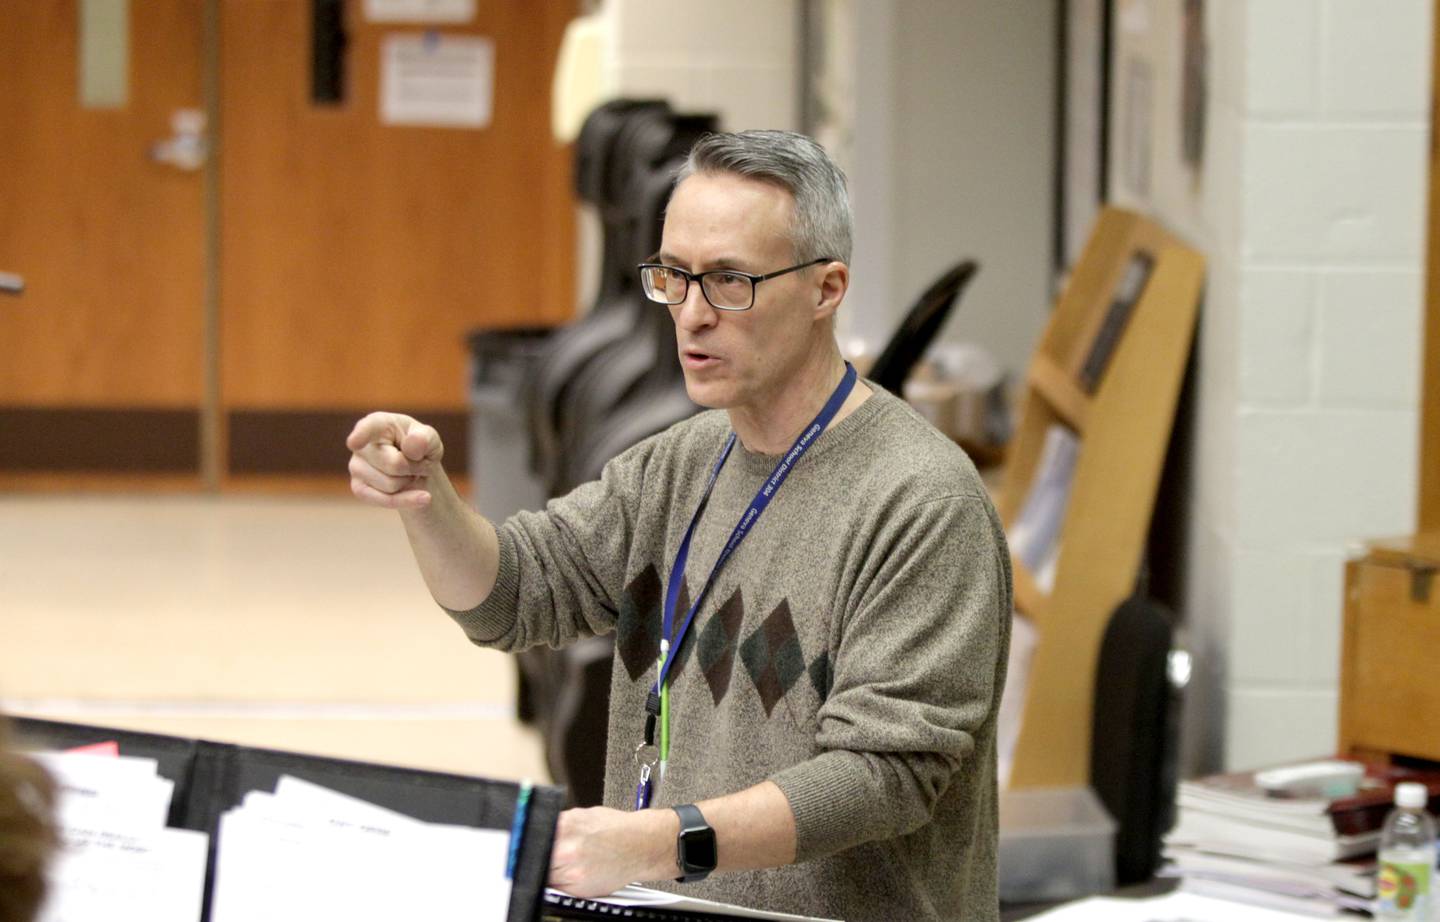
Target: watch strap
692, 822
691, 819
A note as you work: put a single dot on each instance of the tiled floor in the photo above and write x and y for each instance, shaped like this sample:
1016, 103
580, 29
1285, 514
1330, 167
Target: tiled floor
296, 624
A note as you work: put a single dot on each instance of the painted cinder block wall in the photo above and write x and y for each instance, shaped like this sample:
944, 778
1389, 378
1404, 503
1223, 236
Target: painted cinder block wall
1309, 205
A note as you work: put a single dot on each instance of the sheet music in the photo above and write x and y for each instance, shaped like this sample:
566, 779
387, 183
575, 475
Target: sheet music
307, 852
634, 895
118, 860
108, 790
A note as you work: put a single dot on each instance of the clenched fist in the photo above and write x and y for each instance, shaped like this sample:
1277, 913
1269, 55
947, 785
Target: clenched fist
392, 458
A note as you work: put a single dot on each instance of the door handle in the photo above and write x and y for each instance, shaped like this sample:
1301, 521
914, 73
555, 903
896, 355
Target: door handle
11, 284
187, 148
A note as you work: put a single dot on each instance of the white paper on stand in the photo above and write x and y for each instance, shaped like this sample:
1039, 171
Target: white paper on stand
307, 851
117, 859
157, 875
107, 790
1173, 907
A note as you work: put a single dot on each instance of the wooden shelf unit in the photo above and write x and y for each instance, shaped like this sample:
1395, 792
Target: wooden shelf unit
1124, 429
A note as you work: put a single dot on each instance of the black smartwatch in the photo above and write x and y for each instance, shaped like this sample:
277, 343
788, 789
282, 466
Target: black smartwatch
695, 853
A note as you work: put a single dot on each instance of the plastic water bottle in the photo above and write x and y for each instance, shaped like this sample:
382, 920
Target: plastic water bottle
1406, 882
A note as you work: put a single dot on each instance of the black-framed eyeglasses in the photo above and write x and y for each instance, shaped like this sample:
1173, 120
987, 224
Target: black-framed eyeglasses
725, 289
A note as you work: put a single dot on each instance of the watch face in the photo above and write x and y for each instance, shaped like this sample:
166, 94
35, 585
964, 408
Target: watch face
700, 850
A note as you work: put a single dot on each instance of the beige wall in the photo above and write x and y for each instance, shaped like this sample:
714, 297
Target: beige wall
974, 166
737, 58
942, 113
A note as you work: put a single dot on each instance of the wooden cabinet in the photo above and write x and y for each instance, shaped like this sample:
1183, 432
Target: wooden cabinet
1390, 665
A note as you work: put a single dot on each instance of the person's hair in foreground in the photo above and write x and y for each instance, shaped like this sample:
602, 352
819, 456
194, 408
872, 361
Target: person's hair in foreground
28, 835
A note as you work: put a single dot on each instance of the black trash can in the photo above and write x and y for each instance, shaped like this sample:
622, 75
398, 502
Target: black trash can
501, 481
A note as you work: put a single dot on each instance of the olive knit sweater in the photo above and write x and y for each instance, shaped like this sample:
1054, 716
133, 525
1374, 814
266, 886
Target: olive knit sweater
852, 650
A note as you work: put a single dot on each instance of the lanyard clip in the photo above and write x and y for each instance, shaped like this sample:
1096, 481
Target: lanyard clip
645, 790
652, 758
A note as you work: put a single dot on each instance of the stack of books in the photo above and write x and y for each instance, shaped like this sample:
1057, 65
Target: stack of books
1235, 838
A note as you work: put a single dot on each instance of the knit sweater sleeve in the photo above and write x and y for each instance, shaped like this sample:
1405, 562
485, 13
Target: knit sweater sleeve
918, 672
560, 569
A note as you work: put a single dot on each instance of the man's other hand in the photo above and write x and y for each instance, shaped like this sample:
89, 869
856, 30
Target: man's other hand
598, 850
391, 459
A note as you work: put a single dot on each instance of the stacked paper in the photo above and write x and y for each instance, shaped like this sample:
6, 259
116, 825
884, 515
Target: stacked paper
306, 852
118, 860
1236, 838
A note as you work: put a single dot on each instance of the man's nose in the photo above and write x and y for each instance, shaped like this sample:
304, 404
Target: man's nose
694, 313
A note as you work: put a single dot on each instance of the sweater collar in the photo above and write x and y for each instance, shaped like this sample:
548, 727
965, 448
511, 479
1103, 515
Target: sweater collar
839, 434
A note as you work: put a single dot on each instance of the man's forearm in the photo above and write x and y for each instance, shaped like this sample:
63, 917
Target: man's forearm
598, 850
754, 828
455, 547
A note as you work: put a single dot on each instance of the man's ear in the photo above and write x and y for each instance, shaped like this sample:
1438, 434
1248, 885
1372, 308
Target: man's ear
834, 282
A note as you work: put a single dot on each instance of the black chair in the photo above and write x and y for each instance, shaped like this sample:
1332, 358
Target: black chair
1134, 735
920, 326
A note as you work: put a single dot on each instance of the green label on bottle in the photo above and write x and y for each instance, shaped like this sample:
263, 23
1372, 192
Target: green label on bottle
1403, 886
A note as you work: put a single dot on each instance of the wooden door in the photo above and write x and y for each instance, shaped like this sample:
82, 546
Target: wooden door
356, 254
353, 256
102, 352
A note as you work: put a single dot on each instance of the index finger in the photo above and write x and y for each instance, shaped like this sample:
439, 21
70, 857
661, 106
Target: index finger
371, 428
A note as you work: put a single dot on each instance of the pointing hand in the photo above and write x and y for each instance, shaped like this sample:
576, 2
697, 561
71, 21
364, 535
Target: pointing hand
392, 457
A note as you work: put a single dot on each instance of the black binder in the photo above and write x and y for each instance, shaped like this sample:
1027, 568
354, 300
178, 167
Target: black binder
562, 908
211, 778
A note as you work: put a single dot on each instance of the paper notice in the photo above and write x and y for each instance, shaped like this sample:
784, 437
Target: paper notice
420, 10
437, 80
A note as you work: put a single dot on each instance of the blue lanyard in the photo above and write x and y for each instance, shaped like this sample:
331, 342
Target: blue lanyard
747, 521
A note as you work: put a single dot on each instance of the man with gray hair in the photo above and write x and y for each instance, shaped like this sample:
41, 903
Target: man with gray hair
809, 586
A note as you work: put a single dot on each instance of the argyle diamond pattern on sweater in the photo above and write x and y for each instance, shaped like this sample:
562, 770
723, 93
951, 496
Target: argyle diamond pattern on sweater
637, 635
682, 605
773, 657
820, 675
717, 645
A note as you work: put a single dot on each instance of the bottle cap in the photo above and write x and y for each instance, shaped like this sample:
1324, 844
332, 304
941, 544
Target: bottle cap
1411, 795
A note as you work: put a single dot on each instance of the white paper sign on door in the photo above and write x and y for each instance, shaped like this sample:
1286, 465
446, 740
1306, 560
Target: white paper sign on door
438, 80
420, 10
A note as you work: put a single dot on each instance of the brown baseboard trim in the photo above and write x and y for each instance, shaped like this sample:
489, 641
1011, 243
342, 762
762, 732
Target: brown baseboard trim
99, 440
313, 441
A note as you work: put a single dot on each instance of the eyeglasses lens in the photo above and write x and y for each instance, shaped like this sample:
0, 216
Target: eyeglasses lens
663, 285
729, 290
